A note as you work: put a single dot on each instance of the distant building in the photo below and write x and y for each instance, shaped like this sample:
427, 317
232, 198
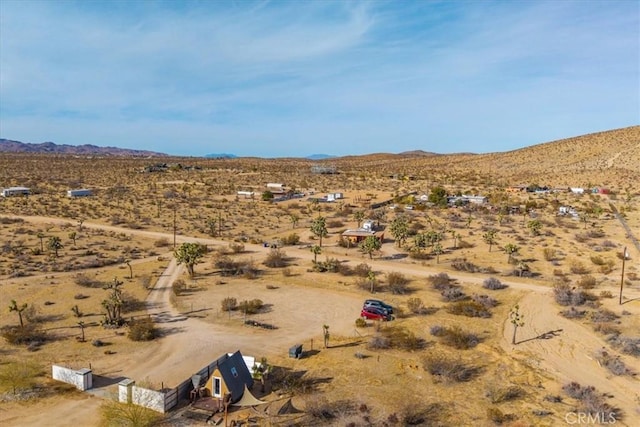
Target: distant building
82, 192
15, 191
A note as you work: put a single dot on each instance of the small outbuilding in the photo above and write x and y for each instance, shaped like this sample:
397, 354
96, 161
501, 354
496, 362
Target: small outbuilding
15, 191
230, 375
82, 192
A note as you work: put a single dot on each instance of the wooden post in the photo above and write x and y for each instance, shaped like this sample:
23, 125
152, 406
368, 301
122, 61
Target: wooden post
624, 257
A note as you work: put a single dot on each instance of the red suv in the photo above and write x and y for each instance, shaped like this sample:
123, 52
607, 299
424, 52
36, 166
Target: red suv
372, 314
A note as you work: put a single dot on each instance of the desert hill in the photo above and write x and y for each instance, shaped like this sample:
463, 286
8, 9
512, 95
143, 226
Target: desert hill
9, 146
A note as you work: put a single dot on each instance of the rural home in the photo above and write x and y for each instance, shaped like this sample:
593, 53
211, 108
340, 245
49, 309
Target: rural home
246, 194
230, 375
577, 190
359, 234
276, 188
82, 192
15, 191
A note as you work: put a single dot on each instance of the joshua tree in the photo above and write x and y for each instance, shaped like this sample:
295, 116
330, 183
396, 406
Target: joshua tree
128, 263
54, 244
41, 236
359, 216
490, 238
319, 228
534, 226
14, 307
370, 245
211, 225
81, 325
325, 335
73, 235
294, 220
371, 277
76, 311
516, 320
511, 249
399, 229
80, 222
316, 250
189, 254
113, 303
437, 249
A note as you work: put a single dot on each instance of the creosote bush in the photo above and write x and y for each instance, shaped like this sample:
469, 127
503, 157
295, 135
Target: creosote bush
497, 394
28, 334
142, 330
250, 307
440, 281
469, 309
397, 283
276, 259
612, 362
449, 369
455, 337
229, 304
493, 283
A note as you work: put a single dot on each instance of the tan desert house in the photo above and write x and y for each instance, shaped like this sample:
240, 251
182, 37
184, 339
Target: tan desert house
230, 375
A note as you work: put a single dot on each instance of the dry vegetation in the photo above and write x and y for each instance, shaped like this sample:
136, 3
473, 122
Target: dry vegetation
448, 342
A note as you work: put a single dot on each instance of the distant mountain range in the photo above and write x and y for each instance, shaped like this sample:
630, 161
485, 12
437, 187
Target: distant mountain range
319, 157
9, 146
221, 156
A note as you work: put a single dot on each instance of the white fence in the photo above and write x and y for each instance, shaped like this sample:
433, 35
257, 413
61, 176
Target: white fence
82, 378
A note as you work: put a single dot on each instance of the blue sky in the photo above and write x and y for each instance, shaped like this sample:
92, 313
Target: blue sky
293, 78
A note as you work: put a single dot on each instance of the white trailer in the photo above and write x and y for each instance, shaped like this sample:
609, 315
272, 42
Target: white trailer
81, 192
15, 191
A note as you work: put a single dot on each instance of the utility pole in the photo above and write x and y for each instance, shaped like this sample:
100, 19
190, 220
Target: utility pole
624, 257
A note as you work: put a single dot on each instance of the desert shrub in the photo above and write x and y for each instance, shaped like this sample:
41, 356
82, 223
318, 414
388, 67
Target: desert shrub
603, 316
379, 342
114, 413
178, 287
360, 322
493, 284
335, 223
549, 254
592, 402
416, 306
230, 267
498, 417
612, 362
362, 270
565, 295
449, 369
469, 309
573, 313
463, 244
18, 376
626, 345
485, 300
581, 237
27, 334
606, 294
597, 260
291, 240
440, 281
576, 267
455, 337
497, 394
453, 294
596, 233
276, 258
397, 283
330, 265
587, 282
236, 247
145, 281
86, 282
229, 304
419, 254
606, 268
421, 414
250, 307
161, 243
606, 328
345, 269
142, 330
461, 264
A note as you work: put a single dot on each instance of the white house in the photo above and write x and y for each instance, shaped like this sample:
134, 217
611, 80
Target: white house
246, 194
577, 190
82, 192
475, 199
15, 191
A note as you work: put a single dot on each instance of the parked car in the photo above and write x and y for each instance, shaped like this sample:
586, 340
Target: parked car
372, 315
379, 304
